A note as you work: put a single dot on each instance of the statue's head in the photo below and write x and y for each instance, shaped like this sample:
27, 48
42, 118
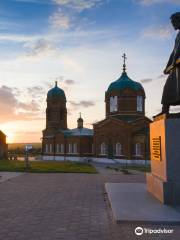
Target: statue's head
175, 20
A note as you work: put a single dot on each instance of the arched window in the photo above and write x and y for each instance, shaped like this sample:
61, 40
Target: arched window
62, 148
47, 149
139, 103
138, 149
57, 148
103, 148
70, 148
50, 148
75, 148
118, 149
113, 104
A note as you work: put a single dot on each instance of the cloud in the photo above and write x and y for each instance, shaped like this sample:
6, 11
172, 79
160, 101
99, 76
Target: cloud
78, 5
69, 82
12, 109
35, 89
32, 106
34, 1
60, 21
8, 25
40, 47
151, 2
17, 38
146, 80
67, 15
63, 83
158, 32
82, 103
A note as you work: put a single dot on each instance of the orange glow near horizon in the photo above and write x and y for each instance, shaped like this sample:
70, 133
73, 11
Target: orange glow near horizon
26, 131
22, 131
10, 138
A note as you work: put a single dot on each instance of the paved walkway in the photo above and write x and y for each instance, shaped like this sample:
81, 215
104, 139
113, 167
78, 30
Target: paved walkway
4, 176
63, 206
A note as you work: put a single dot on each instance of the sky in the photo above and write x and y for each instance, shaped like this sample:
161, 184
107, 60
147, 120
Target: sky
80, 44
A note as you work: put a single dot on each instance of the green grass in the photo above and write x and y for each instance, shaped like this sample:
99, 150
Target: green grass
47, 167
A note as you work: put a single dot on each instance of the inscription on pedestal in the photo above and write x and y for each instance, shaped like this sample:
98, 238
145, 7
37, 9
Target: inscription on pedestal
156, 149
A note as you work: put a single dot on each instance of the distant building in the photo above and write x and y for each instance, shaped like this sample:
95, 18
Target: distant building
3, 146
123, 134
58, 140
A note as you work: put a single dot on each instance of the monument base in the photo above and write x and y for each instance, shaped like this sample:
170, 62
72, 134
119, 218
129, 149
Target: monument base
131, 202
164, 180
166, 192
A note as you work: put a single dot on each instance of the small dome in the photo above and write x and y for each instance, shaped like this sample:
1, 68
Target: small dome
56, 92
124, 82
80, 121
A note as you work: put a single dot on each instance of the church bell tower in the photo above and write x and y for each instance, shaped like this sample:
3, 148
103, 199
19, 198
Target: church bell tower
56, 111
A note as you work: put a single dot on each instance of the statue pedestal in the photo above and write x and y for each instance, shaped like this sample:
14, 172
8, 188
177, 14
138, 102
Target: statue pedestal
164, 180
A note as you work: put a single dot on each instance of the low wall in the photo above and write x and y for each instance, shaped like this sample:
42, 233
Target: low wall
97, 160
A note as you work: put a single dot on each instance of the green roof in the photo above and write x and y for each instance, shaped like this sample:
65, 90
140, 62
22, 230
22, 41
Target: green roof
78, 132
56, 92
124, 82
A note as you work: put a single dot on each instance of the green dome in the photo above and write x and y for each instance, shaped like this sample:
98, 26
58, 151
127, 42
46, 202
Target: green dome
56, 92
124, 82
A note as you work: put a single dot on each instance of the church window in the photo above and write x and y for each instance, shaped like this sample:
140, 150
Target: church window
118, 149
138, 149
47, 148
50, 148
75, 148
113, 104
62, 148
139, 103
70, 148
103, 148
57, 148
92, 148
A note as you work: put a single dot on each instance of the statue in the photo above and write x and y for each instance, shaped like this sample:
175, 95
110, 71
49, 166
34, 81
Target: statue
171, 92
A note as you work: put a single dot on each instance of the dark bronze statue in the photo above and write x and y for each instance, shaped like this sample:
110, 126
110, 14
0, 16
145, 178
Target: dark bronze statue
171, 92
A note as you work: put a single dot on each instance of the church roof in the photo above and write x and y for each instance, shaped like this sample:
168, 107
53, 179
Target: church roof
56, 92
131, 118
124, 82
1, 133
124, 118
78, 132
127, 118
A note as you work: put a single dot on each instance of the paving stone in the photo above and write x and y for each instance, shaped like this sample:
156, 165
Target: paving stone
63, 207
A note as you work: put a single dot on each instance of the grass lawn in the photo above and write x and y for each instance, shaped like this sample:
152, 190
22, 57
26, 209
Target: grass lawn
47, 167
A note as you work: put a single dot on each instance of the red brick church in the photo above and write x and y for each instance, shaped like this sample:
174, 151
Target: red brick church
123, 134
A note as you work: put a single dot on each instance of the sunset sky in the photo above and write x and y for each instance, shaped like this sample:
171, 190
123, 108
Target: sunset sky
80, 44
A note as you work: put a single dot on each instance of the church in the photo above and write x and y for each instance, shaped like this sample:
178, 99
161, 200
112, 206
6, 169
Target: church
123, 134
3, 146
